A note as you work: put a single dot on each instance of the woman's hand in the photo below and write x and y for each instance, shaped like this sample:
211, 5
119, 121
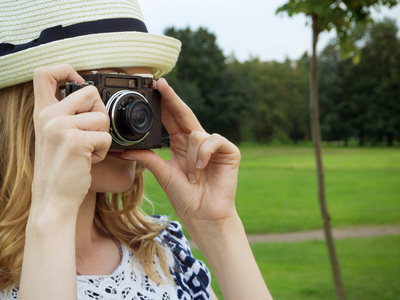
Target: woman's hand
71, 135
201, 177
200, 182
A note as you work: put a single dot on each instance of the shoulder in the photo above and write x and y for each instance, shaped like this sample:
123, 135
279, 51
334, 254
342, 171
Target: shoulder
191, 275
172, 236
9, 293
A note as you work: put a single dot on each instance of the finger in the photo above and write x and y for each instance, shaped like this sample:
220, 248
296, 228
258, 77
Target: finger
216, 143
176, 115
91, 121
196, 139
151, 161
45, 81
98, 144
86, 99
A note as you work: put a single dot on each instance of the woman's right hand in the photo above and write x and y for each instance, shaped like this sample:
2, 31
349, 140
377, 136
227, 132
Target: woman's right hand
71, 135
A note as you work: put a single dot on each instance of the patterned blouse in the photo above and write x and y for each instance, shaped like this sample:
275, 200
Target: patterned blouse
129, 281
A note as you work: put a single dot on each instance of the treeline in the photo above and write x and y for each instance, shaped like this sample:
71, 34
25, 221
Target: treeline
268, 101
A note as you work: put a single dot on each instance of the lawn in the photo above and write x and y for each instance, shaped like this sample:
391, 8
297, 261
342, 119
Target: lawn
295, 271
277, 193
277, 188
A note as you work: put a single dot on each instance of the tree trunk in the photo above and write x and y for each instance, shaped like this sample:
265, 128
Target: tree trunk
316, 136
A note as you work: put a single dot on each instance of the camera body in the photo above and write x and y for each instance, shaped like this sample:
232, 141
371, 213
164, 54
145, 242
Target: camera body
133, 106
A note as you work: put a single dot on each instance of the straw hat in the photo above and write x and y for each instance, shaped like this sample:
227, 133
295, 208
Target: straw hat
90, 34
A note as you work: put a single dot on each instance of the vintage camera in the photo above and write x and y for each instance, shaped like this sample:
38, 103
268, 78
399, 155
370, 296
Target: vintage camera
133, 106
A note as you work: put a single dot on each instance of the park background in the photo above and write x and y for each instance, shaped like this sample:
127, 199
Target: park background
262, 106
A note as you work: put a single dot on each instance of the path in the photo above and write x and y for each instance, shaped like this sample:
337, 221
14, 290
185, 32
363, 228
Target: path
349, 232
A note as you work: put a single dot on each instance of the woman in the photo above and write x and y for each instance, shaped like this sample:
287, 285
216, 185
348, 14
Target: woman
70, 207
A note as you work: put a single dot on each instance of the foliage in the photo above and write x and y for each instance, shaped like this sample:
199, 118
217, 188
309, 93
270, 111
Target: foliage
268, 101
362, 100
200, 78
201, 61
341, 15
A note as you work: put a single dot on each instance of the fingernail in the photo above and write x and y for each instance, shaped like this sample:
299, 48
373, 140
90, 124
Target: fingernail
199, 164
192, 178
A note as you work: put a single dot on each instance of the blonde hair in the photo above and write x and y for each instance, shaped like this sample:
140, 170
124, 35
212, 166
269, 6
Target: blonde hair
117, 215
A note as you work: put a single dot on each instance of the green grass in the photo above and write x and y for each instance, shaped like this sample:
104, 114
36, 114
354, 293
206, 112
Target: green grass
295, 271
277, 189
277, 192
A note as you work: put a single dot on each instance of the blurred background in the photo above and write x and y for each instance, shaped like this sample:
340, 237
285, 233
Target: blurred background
244, 70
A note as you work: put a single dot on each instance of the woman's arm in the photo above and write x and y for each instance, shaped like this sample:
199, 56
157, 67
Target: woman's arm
200, 181
70, 135
48, 270
227, 250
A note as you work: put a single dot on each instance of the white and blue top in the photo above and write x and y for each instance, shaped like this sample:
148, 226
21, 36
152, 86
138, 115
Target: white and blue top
129, 281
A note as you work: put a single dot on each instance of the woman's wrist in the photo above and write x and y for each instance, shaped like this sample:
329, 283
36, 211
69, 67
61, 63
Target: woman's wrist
214, 233
225, 245
46, 219
51, 203
49, 256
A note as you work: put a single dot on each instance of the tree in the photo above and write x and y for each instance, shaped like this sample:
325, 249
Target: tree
219, 93
362, 100
338, 108
380, 65
326, 15
198, 71
276, 104
297, 110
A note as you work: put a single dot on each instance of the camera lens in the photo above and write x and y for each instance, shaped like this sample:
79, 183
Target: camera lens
131, 117
140, 116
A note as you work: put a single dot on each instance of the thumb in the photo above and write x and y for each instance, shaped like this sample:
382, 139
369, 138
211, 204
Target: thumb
151, 161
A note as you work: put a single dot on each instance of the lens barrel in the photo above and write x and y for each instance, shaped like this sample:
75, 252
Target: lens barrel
131, 117
139, 116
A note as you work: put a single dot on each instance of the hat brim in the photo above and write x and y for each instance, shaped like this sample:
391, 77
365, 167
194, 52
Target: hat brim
95, 51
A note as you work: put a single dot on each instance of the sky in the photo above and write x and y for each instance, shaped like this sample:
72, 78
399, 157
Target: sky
245, 28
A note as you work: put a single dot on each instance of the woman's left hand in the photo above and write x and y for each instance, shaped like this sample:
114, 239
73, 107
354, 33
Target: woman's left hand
201, 177
200, 181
